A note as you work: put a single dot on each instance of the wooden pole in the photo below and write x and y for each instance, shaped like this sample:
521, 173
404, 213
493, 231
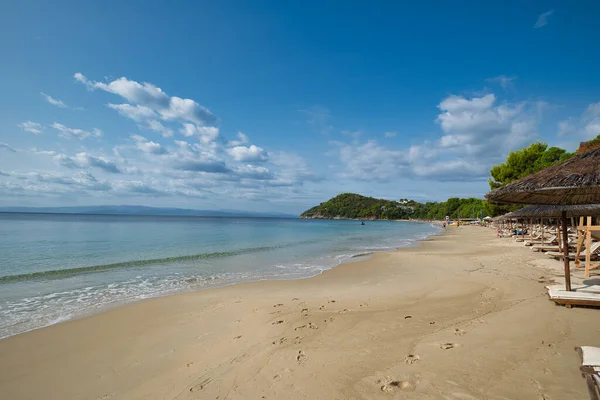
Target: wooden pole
565, 237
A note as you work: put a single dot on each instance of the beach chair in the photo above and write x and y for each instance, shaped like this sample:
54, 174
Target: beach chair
550, 240
594, 251
545, 247
590, 369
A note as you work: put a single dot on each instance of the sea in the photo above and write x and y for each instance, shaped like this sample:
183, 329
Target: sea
55, 267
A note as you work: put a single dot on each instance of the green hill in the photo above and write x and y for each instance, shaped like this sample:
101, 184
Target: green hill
355, 206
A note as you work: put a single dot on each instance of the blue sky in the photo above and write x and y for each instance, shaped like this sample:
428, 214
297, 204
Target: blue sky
277, 106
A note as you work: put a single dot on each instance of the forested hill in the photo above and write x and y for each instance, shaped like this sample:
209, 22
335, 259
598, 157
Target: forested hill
355, 206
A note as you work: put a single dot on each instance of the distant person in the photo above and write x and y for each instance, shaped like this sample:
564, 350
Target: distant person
444, 225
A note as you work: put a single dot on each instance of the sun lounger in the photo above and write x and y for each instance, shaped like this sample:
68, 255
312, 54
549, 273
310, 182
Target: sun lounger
594, 250
545, 248
550, 240
578, 296
590, 369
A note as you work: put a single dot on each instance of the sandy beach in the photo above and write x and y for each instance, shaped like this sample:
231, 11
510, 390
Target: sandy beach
463, 316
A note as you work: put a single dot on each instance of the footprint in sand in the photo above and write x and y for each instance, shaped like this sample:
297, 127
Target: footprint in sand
278, 305
364, 305
276, 312
295, 299
280, 341
304, 312
390, 385
331, 301
447, 346
408, 317
201, 385
298, 339
312, 326
331, 319
301, 357
237, 337
322, 307
299, 327
411, 359
432, 323
459, 332
344, 311
189, 364
278, 322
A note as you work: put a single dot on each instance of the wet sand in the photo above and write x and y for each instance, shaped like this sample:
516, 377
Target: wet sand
464, 316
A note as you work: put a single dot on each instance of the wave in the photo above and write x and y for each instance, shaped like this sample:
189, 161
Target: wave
59, 273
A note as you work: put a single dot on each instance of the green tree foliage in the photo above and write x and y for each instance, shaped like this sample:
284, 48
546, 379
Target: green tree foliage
355, 206
521, 163
526, 161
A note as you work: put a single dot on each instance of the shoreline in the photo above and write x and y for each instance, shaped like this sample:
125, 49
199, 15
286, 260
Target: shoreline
92, 311
458, 315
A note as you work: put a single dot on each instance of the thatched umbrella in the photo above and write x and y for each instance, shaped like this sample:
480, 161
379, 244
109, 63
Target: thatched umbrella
542, 211
575, 181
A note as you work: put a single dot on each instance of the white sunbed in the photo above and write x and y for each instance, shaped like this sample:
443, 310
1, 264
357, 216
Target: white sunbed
582, 295
594, 249
590, 369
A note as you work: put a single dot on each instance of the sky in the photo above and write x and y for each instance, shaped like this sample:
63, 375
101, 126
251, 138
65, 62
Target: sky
279, 105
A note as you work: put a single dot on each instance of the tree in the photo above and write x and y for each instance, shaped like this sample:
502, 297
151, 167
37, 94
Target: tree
521, 163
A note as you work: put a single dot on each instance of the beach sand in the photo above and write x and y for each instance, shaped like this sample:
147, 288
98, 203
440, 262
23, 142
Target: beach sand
464, 316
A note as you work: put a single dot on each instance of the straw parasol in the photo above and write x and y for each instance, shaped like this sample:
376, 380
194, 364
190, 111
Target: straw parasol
575, 181
538, 211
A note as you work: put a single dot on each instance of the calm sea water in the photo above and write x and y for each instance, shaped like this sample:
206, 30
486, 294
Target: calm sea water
56, 267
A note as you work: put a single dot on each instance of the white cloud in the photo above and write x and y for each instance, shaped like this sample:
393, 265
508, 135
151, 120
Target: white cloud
476, 133
452, 170
30, 126
243, 139
248, 154
370, 161
156, 126
7, 147
85, 160
205, 134
53, 101
150, 96
148, 146
67, 133
137, 113
389, 134
145, 116
478, 125
586, 127
254, 172
543, 19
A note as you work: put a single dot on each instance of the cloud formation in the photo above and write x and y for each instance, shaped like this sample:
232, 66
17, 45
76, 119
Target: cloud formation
586, 127
67, 133
53, 101
152, 97
86, 160
543, 19
30, 126
251, 153
476, 133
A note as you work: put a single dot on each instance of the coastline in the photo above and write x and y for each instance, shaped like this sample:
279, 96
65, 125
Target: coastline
63, 302
472, 315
